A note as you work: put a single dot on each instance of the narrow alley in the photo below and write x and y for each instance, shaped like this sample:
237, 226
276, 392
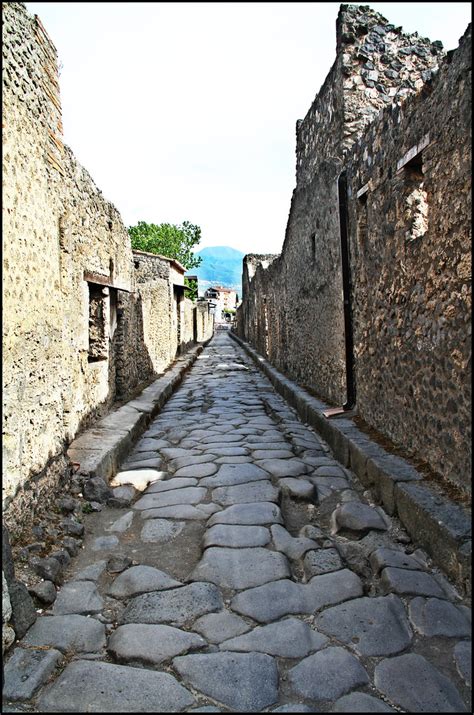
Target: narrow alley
251, 572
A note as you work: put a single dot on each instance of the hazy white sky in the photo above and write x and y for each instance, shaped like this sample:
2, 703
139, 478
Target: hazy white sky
187, 111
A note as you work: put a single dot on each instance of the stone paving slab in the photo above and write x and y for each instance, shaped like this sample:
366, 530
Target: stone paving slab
176, 606
258, 514
234, 474
412, 683
81, 597
169, 484
87, 686
141, 579
290, 638
28, 670
138, 643
179, 511
244, 681
67, 633
261, 491
218, 627
435, 617
369, 626
361, 703
405, 581
240, 568
327, 675
161, 530
188, 495
236, 536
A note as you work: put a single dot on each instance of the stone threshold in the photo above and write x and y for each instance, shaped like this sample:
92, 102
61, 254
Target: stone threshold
434, 523
100, 450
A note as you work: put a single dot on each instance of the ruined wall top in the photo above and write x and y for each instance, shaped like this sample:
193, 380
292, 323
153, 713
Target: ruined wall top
252, 260
376, 65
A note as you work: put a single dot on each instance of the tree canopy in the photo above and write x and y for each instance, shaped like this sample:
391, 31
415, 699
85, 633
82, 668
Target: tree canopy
168, 240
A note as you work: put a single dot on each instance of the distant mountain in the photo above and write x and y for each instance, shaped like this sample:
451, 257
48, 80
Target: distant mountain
221, 265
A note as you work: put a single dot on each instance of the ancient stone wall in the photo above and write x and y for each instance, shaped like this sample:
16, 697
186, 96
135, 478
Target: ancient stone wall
83, 323
410, 245
293, 311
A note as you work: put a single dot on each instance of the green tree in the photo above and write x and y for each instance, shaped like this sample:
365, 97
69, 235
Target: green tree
169, 240
191, 289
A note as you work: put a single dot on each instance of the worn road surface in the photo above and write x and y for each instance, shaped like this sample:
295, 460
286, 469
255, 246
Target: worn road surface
252, 574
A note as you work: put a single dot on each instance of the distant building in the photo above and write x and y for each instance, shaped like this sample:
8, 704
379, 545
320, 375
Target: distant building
224, 299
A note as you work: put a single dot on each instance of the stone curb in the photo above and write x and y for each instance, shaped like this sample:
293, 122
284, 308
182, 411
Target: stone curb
100, 449
435, 523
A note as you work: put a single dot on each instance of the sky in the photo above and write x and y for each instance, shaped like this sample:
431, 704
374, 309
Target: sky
187, 111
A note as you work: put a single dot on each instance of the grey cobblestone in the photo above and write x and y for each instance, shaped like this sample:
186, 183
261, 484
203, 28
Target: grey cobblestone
288, 636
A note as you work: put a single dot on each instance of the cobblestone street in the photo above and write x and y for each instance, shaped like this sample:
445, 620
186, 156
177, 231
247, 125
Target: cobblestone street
251, 572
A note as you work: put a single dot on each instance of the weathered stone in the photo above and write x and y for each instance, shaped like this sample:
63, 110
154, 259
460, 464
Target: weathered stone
273, 600
218, 627
79, 597
240, 568
297, 488
198, 470
380, 558
160, 530
71, 545
361, 703
259, 513
294, 708
412, 683
435, 617
321, 561
44, 592
284, 467
289, 638
72, 527
292, 546
236, 536
117, 564
27, 670
62, 556
68, 504
327, 675
370, 626
49, 569
244, 681
125, 494
23, 609
262, 491
463, 658
233, 474
272, 453
138, 643
92, 572
179, 511
404, 581
122, 524
141, 579
96, 489
176, 606
187, 495
102, 543
67, 633
114, 689
356, 516
169, 484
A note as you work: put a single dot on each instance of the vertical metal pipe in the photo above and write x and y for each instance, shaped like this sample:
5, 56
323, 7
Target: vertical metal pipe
346, 292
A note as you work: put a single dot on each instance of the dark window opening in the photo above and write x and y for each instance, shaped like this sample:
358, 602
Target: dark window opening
313, 247
98, 343
415, 199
